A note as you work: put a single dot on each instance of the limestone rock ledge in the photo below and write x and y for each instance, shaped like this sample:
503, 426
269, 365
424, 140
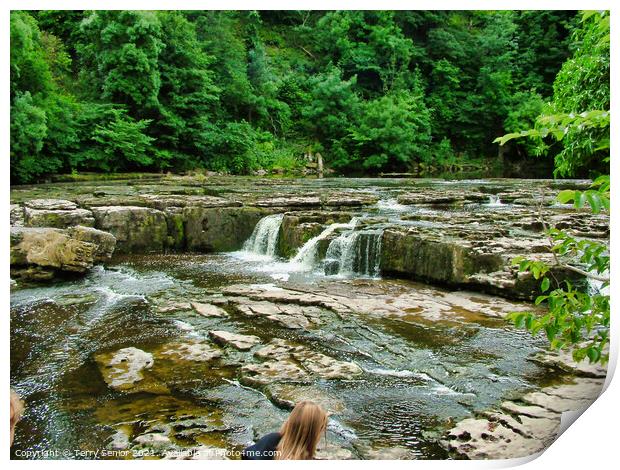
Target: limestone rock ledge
43, 253
522, 427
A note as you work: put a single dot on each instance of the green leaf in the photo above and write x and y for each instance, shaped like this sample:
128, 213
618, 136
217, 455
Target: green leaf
551, 331
565, 196
544, 285
519, 320
580, 199
593, 354
594, 199
540, 299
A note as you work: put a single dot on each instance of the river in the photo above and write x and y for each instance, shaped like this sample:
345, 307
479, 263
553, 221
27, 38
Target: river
429, 354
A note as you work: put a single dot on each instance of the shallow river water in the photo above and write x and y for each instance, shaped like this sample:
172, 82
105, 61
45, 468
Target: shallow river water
441, 360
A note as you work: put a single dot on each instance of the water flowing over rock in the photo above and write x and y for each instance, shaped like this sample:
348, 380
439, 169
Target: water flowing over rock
264, 238
299, 227
355, 252
218, 229
380, 299
494, 200
451, 233
307, 254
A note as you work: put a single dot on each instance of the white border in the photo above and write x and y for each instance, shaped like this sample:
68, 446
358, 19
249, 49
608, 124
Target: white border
589, 443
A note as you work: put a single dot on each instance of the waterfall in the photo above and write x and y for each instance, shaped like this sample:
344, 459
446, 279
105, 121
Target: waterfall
264, 238
494, 200
306, 256
355, 252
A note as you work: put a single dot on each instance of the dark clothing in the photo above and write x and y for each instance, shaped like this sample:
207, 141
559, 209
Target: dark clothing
264, 449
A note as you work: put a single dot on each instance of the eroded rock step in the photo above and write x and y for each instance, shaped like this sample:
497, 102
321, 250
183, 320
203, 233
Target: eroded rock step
447, 236
520, 428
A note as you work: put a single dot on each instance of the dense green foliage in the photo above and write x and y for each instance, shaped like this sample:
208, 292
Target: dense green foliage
578, 120
239, 91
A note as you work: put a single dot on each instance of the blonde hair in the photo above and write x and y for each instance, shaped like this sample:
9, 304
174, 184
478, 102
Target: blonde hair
17, 409
301, 432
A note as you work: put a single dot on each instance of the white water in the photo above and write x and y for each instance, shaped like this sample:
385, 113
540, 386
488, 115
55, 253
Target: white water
264, 238
391, 205
351, 252
397, 373
494, 200
355, 252
306, 256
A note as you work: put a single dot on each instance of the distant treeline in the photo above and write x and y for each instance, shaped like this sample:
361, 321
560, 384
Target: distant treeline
238, 91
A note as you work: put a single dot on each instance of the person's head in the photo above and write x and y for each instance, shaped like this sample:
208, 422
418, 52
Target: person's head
302, 432
17, 408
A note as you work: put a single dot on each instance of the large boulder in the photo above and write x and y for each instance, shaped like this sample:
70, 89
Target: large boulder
472, 256
137, 229
431, 257
104, 241
41, 253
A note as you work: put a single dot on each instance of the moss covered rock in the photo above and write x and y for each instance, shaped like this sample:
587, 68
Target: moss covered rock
137, 229
219, 228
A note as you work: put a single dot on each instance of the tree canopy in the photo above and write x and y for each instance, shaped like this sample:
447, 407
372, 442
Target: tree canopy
235, 91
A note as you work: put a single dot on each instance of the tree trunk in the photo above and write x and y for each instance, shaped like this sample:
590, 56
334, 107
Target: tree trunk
319, 167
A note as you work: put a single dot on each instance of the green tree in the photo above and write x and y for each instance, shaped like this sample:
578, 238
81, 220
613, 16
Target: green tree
392, 132
298, 79
119, 53
123, 137
577, 319
368, 45
40, 116
187, 97
332, 108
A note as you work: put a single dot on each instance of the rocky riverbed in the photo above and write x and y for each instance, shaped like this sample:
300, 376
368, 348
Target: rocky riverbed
156, 316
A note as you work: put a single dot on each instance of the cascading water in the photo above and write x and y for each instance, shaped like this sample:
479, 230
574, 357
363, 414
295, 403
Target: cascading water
494, 200
306, 256
264, 238
355, 252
